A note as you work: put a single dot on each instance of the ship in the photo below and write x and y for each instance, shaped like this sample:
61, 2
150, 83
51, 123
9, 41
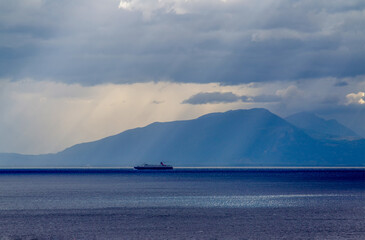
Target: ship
162, 166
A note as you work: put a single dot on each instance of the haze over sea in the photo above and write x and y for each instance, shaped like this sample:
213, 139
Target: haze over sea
227, 203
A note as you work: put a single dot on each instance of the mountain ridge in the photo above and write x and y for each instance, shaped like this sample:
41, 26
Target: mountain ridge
254, 137
320, 128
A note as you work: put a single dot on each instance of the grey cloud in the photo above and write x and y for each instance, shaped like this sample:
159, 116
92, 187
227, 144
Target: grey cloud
157, 102
92, 42
341, 84
324, 97
228, 97
262, 99
212, 97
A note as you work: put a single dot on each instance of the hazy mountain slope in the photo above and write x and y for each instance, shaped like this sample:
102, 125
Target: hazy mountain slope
320, 128
231, 138
253, 137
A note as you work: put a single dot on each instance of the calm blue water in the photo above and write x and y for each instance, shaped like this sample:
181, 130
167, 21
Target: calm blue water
182, 188
182, 204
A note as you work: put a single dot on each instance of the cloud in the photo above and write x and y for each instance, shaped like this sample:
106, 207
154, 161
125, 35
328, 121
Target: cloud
92, 42
341, 84
262, 98
157, 102
290, 92
150, 7
153, 7
356, 98
212, 97
318, 94
229, 97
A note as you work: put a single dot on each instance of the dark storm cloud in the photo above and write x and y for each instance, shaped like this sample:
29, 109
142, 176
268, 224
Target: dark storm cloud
91, 42
212, 97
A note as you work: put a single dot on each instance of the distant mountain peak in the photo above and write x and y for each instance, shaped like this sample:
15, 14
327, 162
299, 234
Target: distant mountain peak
318, 127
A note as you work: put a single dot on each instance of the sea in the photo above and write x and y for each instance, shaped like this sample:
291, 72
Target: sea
184, 203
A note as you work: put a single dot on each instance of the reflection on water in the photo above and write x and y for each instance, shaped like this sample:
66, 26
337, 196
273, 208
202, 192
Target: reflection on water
182, 189
238, 201
34, 202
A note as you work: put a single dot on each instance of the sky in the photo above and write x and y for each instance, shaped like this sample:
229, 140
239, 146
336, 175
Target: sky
74, 71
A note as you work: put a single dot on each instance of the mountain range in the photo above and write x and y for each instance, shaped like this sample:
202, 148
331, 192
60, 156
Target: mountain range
320, 128
254, 137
